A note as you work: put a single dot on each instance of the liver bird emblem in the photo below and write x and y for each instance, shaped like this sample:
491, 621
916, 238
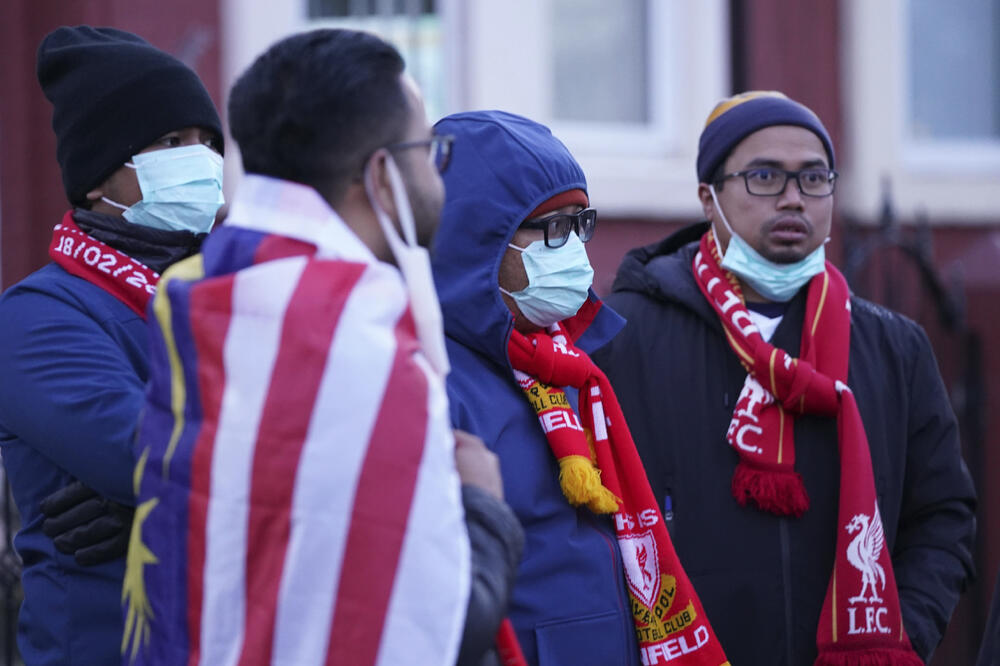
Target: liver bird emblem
863, 553
642, 569
641, 555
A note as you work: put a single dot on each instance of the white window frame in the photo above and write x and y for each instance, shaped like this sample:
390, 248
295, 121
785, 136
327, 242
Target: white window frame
495, 57
949, 181
631, 171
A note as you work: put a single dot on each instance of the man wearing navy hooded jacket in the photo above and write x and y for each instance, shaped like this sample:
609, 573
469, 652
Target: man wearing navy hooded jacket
139, 145
495, 272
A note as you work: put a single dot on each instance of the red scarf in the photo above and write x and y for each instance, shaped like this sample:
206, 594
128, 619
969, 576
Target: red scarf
669, 619
860, 623
112, 270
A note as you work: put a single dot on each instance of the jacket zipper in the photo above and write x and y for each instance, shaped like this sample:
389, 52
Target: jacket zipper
668, 513
786, 575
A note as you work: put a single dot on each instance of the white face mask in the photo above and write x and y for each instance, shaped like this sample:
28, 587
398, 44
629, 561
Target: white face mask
414, 263
181, 189
559, 281
775, 282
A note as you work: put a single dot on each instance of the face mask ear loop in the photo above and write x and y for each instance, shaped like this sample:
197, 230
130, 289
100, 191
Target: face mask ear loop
388, 228
722, 216
401, 198
113, 203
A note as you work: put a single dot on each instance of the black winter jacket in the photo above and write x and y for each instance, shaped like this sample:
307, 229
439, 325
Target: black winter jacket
496, 540
989, 649
762, 579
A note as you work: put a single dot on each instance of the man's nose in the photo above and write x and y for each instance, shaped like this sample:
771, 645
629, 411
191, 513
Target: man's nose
790, 197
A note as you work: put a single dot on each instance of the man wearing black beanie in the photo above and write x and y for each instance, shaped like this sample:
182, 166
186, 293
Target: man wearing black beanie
139, 144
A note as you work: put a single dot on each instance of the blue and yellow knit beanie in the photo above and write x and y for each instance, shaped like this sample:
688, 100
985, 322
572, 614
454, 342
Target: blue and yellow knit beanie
736, 117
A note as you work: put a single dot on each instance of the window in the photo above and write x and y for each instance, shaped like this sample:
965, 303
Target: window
954, 68
625, 84
413, 27
597, 50
355, 8
627, 89
922, 108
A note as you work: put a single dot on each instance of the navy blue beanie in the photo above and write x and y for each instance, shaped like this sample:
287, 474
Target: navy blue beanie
113, 94
736, 117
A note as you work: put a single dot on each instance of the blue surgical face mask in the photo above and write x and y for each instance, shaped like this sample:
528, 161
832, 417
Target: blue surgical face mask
181, 189
775, 282
558, 281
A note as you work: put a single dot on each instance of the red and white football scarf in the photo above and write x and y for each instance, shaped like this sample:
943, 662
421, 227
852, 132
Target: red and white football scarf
860, 623
599, 467
98, 263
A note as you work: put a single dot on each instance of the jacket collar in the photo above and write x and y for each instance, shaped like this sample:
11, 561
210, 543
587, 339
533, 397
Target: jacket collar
662, 270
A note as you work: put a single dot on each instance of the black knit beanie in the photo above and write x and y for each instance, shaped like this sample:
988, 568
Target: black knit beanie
113, 94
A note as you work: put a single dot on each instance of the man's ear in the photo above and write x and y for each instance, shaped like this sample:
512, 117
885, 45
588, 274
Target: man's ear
95, 194
707, 205
381, 189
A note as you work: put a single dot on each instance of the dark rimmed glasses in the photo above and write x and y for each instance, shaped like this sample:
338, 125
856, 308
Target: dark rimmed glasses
558, 227
439, 147
771, 181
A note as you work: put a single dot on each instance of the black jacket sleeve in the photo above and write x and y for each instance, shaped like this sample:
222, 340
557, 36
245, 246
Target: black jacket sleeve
932, 557
496, 540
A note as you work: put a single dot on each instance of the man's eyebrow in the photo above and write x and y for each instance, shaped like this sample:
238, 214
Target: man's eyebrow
778, 164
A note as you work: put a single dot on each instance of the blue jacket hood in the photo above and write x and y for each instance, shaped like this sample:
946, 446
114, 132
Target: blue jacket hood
503, 167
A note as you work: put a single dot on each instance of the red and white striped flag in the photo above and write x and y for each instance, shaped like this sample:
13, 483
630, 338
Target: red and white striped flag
297, 495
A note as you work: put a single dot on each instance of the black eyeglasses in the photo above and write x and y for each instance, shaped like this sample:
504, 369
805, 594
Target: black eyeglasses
439, 145
557, 227
771, 181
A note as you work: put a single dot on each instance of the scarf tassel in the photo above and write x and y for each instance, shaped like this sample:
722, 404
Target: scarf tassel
870, 657
581, 484
778, 492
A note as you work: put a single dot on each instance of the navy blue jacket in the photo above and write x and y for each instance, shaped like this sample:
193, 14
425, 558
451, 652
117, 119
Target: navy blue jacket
762, 579
72, 373
569, 604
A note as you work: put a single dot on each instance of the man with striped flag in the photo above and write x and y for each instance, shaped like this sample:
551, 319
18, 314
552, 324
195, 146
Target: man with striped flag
297, 494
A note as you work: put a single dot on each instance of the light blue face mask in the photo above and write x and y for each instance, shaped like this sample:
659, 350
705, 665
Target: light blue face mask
775, 282
558, 281
181, 189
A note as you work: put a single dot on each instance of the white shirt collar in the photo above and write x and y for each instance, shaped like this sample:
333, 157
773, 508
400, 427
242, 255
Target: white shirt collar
766, 325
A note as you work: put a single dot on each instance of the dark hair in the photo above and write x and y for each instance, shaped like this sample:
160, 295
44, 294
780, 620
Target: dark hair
314, 106
718, 176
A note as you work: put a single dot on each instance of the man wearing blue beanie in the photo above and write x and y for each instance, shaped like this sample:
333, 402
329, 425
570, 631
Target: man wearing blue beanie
799, 438
139, 144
